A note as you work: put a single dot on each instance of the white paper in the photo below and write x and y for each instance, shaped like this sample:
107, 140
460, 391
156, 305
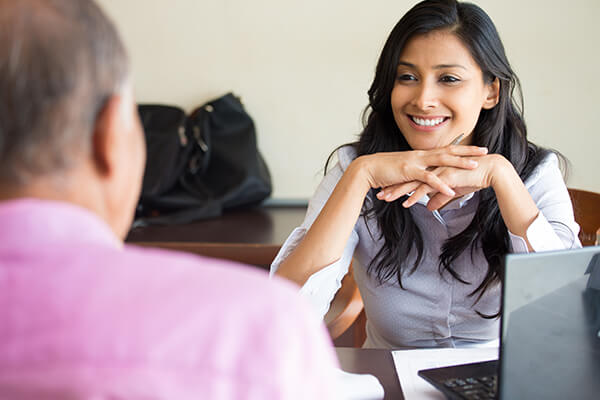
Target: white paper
409, 362
359, 386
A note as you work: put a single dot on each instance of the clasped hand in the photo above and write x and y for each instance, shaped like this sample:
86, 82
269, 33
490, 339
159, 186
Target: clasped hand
442, 174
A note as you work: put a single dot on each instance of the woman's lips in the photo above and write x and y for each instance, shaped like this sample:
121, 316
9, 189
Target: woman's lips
428, 123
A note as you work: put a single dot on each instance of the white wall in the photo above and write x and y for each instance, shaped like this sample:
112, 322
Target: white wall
302, 68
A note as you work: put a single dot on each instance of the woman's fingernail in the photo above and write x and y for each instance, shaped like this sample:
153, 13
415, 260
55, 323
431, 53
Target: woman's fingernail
472, 163
381, 194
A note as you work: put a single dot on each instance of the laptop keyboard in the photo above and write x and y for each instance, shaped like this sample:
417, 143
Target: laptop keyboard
483, 387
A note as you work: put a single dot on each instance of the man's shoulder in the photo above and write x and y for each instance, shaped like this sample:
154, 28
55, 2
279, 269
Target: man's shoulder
230, 305
205, 271
160, 294
146, 309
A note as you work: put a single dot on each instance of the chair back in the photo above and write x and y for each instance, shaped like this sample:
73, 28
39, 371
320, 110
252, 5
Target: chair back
586, 207
345, 308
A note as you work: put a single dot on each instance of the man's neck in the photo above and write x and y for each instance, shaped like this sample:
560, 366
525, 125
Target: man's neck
74, 187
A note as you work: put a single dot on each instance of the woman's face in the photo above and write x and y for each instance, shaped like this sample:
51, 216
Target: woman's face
439, 91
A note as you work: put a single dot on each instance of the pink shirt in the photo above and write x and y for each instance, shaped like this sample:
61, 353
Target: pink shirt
83, 317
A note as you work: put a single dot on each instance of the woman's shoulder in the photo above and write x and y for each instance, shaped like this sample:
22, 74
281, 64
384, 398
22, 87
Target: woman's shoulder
548, 169
335, 168
345, 155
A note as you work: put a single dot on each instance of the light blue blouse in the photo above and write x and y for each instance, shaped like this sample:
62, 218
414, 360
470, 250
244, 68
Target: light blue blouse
432, 310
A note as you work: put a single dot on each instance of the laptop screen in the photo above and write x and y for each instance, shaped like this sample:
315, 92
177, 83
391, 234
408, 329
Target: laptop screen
550, 344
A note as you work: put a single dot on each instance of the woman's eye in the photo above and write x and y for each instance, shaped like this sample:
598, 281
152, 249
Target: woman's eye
449, 79
406, 77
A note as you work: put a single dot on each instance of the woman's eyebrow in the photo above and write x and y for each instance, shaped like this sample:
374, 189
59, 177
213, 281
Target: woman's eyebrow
439, 66
406, 64
442, 66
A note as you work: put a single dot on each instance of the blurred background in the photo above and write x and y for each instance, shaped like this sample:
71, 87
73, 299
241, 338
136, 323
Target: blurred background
303, 68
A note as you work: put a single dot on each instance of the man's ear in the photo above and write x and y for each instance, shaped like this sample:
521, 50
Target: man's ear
493, 95
106, 135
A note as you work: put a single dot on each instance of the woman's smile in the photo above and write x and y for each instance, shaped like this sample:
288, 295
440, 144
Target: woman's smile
427, 123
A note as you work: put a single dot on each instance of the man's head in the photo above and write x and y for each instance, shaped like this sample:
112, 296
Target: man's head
68, 124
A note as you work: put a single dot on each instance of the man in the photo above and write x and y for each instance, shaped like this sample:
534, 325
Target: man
82, 315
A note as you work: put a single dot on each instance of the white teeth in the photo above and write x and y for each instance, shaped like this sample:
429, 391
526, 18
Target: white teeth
427, 122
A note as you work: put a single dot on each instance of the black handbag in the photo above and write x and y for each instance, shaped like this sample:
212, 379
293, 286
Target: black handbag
199, 165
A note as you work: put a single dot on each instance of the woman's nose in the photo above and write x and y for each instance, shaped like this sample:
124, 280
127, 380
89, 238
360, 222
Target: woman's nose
426, 96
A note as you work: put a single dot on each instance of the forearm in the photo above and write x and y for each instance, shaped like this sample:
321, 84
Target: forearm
516, 205
326, 239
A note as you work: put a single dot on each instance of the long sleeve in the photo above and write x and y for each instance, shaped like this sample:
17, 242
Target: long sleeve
555, 227
321, 287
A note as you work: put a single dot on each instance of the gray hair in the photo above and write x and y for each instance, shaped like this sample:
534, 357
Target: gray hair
60, 60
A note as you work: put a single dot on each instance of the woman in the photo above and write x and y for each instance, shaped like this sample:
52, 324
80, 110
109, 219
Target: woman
429, 221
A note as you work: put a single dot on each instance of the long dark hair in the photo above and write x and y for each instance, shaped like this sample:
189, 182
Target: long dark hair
501, 129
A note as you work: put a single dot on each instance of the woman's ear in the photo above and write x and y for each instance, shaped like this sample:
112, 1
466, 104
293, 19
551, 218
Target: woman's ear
493, 95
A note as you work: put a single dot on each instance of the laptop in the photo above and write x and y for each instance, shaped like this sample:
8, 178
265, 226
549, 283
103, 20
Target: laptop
550, 333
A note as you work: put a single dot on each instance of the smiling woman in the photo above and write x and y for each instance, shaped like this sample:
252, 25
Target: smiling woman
439, 91
428, 222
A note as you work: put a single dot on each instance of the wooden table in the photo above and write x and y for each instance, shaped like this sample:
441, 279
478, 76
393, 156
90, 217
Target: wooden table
377, 362
251, 235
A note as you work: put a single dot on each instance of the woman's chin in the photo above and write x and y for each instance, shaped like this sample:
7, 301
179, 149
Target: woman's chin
423, 145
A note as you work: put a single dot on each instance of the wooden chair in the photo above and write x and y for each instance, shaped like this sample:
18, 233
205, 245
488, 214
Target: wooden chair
347, 309
586, 206
346, 303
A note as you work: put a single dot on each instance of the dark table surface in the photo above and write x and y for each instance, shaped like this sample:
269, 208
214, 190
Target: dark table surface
377, 362
251, 235
258, 225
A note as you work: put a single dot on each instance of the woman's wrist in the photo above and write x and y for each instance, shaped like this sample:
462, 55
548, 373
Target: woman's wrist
516, 205
358, 173
501, 172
